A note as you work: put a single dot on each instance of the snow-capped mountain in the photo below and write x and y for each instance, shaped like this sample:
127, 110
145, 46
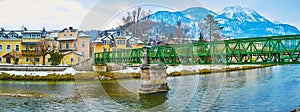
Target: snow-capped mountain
241, 14
188, 18
237, 22
244, 22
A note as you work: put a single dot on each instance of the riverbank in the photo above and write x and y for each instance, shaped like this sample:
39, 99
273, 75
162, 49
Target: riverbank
207, 69
183, 70
127, 73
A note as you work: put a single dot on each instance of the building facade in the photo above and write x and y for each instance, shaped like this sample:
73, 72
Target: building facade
24, 47
74, 45
115, 41
21, 46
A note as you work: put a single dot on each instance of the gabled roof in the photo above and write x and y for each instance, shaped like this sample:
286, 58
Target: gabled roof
67, 39
81, 34
75, 52
32, 31
54, 34
8, 55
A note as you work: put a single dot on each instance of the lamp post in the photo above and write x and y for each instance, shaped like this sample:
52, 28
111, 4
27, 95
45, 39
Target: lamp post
144, 35
163, 39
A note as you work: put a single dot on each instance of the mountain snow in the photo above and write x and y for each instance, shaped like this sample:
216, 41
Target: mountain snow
242, 14
237, 22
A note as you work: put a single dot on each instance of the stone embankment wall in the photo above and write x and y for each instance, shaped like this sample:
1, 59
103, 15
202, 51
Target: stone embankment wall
86, 65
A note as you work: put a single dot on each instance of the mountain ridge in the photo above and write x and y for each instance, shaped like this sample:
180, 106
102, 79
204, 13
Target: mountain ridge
237, 22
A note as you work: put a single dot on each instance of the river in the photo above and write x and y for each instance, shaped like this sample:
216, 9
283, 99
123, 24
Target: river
274, 88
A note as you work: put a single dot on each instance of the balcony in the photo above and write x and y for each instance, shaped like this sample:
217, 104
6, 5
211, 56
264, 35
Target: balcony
25, 40
68, 49
31, 53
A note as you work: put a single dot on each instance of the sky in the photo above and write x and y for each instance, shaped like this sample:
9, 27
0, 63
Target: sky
104, 14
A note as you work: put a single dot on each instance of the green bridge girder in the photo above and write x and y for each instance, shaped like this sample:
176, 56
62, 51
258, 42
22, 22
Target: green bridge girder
260, 50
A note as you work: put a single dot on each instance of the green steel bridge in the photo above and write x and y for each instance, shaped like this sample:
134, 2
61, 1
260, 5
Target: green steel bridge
260, 50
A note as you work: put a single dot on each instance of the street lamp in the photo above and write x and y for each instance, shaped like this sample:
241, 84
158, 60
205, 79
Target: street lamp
144, 35
163, 39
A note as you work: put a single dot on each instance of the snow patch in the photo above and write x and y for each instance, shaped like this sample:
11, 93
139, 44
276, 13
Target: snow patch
129, 70
43, 73
190, 17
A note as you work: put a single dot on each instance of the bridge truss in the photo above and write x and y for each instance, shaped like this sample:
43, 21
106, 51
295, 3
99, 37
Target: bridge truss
261, 50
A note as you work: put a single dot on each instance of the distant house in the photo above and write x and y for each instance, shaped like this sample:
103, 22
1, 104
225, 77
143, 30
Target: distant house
72, 57
114, 40
133, 42
71, 39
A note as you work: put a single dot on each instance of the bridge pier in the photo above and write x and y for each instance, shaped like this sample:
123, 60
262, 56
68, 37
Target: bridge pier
153, 76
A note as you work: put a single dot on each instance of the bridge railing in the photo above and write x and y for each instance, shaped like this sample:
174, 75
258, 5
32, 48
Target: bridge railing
262, 50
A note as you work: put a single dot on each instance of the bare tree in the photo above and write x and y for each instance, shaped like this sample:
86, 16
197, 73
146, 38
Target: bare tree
16, 56
137, 22
210, 30
179, 33
43, 49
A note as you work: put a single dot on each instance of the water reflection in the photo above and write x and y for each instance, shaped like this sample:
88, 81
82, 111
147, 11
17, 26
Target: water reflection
131, 99
266, 89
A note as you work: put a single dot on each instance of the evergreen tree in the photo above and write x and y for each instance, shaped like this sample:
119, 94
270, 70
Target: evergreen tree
201, 39
210, 30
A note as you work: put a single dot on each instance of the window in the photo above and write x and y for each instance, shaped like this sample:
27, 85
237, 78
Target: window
67, 45
60, 45
82, 44
33, 35
8, 48
121, 41
70, 35
27, 59
35, 48
0, 59
0, 47
17, 47
65, 35
36, 59
72, 59
27, 47
2, 35
74, 45
49, 60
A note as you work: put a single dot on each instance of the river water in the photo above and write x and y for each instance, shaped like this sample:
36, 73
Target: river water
266, 89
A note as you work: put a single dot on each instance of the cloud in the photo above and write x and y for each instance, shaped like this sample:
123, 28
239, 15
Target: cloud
107, 14
35, 14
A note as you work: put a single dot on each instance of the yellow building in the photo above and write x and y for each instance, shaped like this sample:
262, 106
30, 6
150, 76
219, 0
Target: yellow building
6, 46
120, 44
103, 44
113, 42
72, 57
21, 47
134, 43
